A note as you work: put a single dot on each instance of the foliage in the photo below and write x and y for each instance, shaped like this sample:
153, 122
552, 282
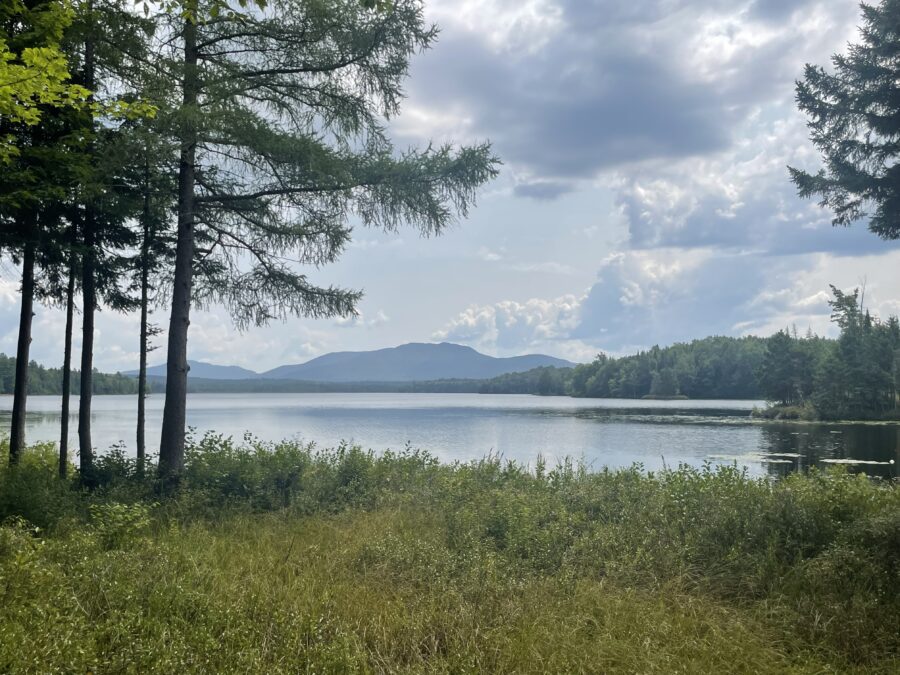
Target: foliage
787, 372
282, 557
34, 72
545, 381
855, 377
854, 120
48, 381
714, 367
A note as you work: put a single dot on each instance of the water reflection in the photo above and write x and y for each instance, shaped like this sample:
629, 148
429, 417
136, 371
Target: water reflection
815, 444
464, 427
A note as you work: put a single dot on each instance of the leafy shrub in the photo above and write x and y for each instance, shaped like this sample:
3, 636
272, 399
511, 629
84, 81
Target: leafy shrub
32, 491
118, 525
819, 553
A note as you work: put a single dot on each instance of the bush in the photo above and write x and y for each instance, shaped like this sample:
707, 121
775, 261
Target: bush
815, 555
32, 490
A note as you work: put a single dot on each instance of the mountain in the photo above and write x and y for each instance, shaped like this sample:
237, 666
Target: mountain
414, 362
208, 371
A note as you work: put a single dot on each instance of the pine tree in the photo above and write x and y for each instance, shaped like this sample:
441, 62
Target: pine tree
33, 184
151, 178
108, 50
778, 372
854, 120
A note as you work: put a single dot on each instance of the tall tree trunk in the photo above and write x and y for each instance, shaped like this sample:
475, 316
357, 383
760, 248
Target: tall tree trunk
89, 293
67, 371
171, 449
89, 305
142, 367
20, 393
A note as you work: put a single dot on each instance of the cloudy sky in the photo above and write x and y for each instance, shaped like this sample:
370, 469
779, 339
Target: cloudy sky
644, 196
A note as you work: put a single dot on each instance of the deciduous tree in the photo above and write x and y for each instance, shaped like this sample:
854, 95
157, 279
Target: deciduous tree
283, 148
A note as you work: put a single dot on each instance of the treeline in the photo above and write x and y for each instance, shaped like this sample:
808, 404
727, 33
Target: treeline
197, 153
48, 381
855, 377
199, 385
714, 367
545, 381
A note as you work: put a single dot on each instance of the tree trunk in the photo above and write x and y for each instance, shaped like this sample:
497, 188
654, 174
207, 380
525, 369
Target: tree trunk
20, 393
67, 372
171, 449
89, 305
142, 367
89, 302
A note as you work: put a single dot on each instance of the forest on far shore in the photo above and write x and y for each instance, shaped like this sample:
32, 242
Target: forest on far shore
44, 381
856, 376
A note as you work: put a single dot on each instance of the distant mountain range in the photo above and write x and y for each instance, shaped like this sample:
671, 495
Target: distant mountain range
413, 362
208, 371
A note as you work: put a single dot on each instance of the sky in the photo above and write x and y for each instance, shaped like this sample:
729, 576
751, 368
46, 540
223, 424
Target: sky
644, 196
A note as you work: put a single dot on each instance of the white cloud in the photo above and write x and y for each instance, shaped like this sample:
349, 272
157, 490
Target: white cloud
359, 320
510, 327
549, 267
508, 26
486, 254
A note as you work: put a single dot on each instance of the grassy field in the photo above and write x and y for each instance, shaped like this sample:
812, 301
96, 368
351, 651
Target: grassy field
282, 558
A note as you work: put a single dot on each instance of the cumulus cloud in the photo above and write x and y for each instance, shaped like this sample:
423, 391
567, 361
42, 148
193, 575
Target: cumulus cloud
739, 199
684, 112
360, 319
570, 88
682, 109
642, 298
511, 327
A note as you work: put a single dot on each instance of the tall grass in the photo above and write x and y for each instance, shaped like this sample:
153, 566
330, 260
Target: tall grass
286, 558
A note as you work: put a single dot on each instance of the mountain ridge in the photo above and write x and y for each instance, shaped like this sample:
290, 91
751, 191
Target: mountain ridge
410, 362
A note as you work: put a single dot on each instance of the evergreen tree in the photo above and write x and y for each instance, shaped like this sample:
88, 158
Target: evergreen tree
856, 379
33, 184
665, 383
108, 51
281, 141
854, 120
777, 373
67, 359
152, 179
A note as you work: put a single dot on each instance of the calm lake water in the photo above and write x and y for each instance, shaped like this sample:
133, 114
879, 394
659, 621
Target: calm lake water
601, 432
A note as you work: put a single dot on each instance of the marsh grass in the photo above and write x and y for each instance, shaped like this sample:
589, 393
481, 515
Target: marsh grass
283, 558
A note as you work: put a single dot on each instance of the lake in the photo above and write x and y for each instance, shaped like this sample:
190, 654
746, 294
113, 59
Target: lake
601, 432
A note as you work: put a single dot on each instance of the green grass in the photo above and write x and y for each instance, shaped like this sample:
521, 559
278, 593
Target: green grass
280, 558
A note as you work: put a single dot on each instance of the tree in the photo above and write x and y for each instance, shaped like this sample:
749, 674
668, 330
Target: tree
33, 183
67, 359
48, 188
152, 179
108, 50
281, 142
857, 379
34, 75
854, 120
664, 383
778, 371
